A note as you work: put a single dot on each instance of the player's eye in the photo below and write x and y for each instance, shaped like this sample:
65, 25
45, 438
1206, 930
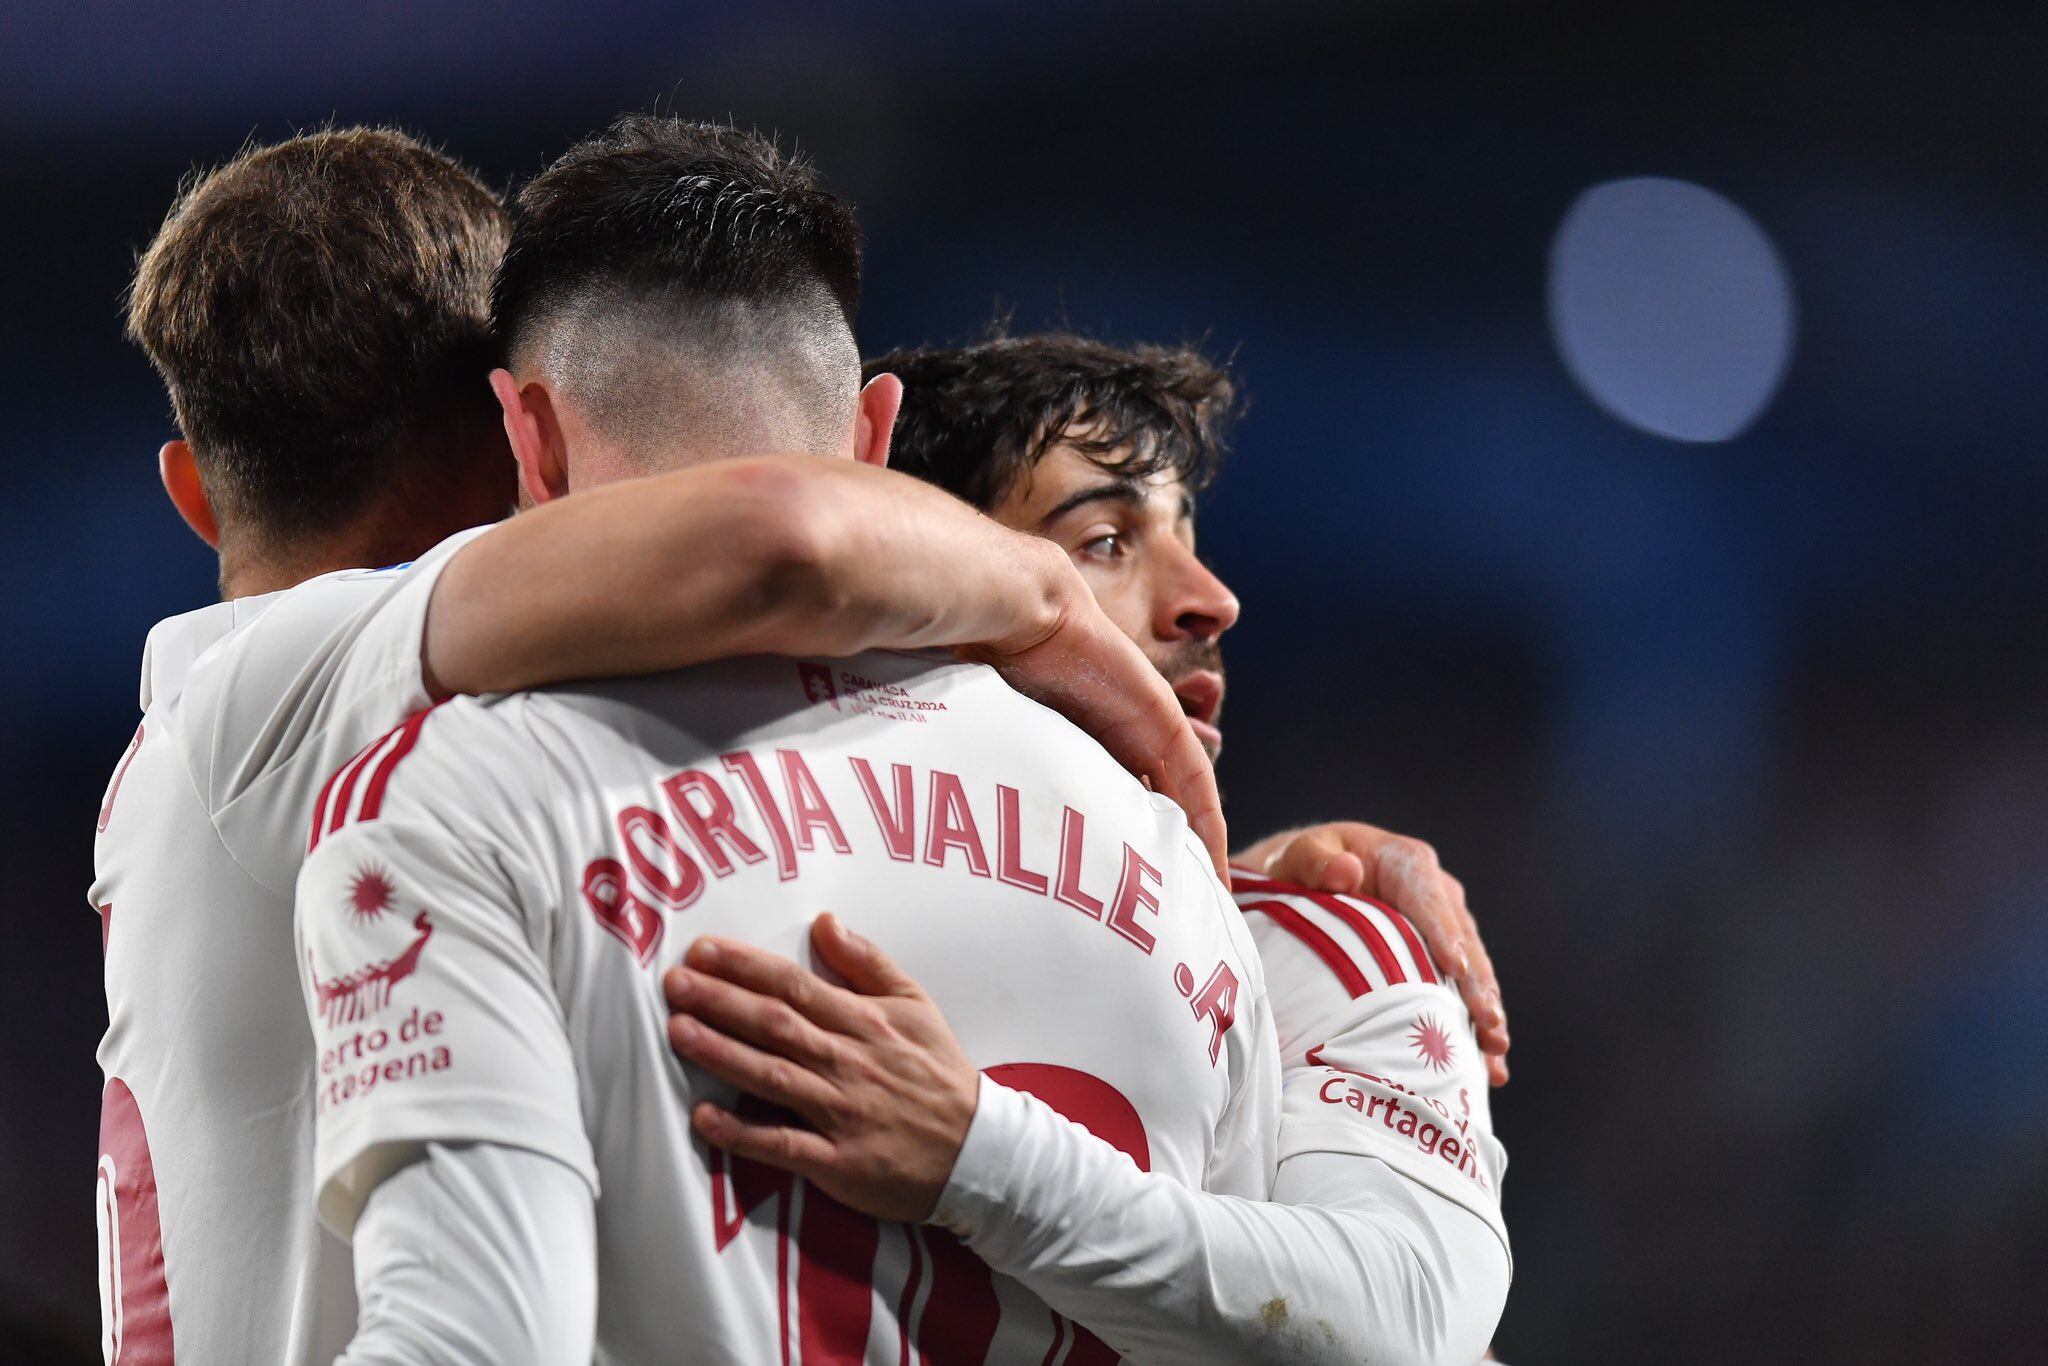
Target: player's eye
1107, 546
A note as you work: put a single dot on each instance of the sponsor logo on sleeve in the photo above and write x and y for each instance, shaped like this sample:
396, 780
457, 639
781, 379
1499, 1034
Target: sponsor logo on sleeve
353, 1062
1407, 1115
365, 992
1432, 1043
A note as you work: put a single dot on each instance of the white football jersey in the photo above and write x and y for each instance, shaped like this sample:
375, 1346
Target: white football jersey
1378, 1055
498, 886
209, 1251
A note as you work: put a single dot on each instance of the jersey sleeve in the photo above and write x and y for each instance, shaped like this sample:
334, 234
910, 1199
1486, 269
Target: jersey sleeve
476, 1252
1348, 1262
1378, 1055
421, 924
269, 712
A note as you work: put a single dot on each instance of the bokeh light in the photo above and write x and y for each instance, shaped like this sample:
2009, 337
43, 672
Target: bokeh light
1671, 307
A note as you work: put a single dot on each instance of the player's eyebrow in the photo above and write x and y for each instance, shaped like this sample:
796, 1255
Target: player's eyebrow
1115, 491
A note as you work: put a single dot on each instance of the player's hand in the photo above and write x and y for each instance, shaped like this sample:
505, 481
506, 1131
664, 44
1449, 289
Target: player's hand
1095, 676
1352, 859
875, 1071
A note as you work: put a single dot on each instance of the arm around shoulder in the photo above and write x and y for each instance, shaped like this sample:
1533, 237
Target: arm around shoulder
776, 555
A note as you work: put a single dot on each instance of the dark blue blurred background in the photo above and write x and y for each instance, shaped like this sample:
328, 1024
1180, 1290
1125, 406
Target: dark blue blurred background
1741, 746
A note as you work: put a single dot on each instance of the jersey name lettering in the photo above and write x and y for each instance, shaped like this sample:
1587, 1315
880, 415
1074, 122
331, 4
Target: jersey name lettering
663, 862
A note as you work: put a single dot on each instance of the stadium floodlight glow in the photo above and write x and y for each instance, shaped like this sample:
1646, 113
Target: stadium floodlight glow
1671, 307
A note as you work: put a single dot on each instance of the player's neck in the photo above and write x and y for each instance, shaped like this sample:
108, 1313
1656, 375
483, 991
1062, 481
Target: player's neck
246, 571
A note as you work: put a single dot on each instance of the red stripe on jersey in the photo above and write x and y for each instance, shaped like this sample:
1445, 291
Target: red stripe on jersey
1414, 942
408, 736
910, 1280
1348, 909
345, 796
136, 1301
327, 815
1059, 1340
1241, 881
1325, 948
1361, 923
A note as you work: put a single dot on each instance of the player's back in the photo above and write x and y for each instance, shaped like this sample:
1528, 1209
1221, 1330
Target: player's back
209, 1248
1063, 918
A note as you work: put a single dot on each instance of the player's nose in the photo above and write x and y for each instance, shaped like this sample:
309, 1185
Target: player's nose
1195, 603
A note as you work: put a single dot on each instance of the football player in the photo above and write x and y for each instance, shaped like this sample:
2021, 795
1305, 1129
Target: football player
1385, 1241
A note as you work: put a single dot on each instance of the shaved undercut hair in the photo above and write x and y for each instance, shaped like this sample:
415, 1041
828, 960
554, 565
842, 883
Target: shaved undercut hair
672, 278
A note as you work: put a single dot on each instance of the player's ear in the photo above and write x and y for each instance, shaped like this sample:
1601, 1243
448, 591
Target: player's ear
881, 398
535, 434
180, 473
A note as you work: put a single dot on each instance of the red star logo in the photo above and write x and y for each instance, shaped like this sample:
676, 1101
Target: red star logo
369, 894
1432, 1043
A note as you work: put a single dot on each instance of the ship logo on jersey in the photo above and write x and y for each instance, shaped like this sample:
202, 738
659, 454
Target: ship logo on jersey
370, 893
1432, 1043
360, 994
818, 685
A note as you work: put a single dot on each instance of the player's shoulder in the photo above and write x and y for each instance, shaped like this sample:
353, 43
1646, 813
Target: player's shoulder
289, 629
178, 642
450, 758
1330, 943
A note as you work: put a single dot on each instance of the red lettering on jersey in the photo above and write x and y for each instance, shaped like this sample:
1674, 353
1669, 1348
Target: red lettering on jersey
835, 1274
808, 809
913, 1242
1073, 834
749, 773
114, 788
664, 868
950, 825
135, 1297
1131, 893
835, 1247
1216, 1002
106, 926
1009, 857
714, 827
962, 1282
630, 920
898, 822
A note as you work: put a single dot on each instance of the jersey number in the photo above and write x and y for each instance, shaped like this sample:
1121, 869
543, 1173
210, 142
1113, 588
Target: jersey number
135, 1301
836, 1247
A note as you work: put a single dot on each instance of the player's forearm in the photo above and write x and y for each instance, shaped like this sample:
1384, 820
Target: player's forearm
783, 554
1165, 1273
476, 1255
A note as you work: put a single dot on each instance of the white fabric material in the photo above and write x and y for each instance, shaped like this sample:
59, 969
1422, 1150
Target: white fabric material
477, 1253
250, 705
484, 956
1396, 1249
1351, 1261
1394, 1072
